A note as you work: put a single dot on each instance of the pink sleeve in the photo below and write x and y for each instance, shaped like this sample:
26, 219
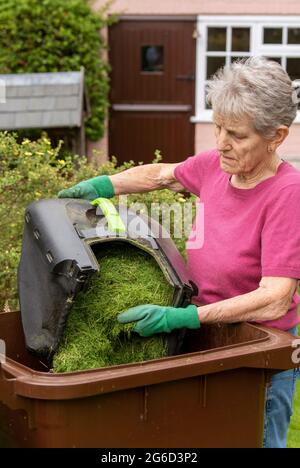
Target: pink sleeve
280, 243
191, 172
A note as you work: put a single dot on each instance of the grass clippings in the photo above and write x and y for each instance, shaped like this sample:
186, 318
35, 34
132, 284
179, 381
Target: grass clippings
93, 337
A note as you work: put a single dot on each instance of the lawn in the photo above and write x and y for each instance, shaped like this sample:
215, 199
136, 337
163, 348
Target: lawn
294, 430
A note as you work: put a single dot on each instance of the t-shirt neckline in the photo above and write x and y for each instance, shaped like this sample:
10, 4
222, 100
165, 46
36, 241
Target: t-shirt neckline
260, 185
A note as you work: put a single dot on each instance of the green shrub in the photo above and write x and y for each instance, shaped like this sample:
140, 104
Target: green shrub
31, 171
28, 171
58, 35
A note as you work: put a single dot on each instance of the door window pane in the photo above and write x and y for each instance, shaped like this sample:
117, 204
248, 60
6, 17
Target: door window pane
213, 64
240, 40
216, 39
272, 35
293, 35
152, 58
293, 68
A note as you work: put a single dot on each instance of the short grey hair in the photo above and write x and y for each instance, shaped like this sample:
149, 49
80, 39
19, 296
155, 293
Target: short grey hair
256, 88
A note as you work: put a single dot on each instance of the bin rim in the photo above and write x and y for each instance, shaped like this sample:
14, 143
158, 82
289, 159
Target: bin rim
272, 351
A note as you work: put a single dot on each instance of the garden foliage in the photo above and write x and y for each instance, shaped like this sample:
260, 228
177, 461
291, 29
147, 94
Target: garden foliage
32, 171
54, 36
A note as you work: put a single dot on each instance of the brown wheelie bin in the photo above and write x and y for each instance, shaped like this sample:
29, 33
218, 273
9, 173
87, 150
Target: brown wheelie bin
212, 395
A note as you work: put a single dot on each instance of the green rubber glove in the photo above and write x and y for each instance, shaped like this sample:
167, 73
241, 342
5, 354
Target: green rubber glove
90, 189
151, 319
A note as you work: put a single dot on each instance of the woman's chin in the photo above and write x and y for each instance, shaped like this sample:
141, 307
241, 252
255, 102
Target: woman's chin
226, 166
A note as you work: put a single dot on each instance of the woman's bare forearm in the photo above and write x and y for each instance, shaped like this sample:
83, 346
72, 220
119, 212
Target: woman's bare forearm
270, 301
145, 179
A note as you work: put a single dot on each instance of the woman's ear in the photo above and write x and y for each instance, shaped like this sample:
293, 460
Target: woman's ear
281, 134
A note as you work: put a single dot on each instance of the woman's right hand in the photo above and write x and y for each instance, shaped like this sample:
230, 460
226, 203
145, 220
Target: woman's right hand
90, 189
138, 179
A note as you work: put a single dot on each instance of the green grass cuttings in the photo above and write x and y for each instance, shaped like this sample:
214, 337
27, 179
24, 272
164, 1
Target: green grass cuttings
294, 429
93, 337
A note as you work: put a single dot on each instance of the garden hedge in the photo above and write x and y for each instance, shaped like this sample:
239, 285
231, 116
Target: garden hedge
33, 170
58, 35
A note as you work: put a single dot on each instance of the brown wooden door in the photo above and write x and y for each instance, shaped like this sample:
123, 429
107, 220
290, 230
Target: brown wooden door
152, 89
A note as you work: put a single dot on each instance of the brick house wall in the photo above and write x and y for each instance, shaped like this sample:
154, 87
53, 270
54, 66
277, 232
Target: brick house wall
204, 137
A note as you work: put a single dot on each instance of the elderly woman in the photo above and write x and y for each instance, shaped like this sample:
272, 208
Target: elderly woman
249, 265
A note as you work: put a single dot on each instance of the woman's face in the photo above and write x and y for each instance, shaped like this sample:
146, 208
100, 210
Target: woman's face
241, 148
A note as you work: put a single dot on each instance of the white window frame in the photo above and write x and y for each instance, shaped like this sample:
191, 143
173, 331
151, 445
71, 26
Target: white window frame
256, 25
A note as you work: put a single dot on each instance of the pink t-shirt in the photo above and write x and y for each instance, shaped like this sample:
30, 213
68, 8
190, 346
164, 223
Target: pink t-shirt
248, 233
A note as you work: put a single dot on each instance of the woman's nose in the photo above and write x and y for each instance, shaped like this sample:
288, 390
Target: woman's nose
223, 142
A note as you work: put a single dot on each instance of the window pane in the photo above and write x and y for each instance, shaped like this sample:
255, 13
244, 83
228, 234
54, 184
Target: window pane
272, 35
207, 106
152, 58
275, 59
297, 96
213, 64
240, 40
293, 68
235, 58
216, 39
293, 35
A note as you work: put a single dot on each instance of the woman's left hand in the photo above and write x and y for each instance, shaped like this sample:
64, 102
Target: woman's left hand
151, 319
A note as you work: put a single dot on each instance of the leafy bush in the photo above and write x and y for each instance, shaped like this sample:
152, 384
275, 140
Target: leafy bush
58, 35
28, 172
31, 171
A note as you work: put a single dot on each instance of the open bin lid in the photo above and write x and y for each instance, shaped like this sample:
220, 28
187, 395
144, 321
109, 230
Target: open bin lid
57, 261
